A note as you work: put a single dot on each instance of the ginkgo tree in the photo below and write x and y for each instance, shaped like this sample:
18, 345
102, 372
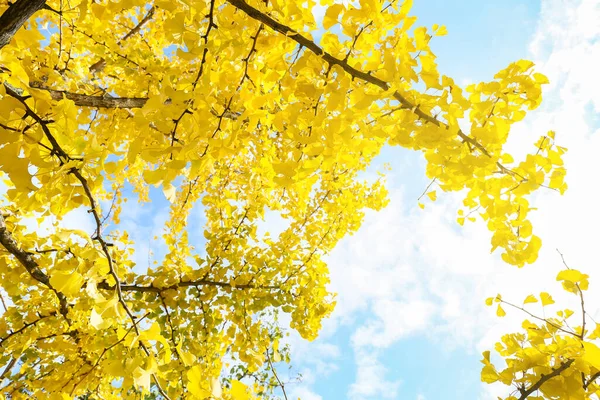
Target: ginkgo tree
234, 106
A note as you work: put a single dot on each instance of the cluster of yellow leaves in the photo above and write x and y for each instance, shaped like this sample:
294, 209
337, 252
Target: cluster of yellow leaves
230, 106
554, 357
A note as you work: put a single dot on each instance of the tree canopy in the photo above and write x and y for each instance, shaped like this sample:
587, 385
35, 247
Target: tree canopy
241, 108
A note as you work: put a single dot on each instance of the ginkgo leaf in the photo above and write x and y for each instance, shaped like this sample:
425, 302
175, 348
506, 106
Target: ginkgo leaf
441, 31
592, 354
239, 391
141, 378
197, 383
96, 320
500, 311
215, 386
170, 192
186, 357
530, 299
489, 374
331, 15
570, 275
69, 283
546, 299
540, 78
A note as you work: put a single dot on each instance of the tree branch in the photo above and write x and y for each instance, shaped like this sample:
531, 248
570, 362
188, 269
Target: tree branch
85, 100
32, 267
139, 26
202, 282
355, 73
591, 380
281, 385
17, 14
7, 369
544, 378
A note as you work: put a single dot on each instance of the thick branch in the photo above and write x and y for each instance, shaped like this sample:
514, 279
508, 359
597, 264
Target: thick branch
202, 282
544, 378
26, 259
16, 15
85, 100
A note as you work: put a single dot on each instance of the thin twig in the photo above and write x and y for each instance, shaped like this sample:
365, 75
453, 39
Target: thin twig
281, 385
580, 297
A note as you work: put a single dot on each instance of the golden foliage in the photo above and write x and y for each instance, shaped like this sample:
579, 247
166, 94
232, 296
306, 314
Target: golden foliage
232, 105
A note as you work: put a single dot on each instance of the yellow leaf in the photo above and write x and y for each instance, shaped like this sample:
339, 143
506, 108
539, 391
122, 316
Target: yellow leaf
442, 31
331, 15
215, 386
186, 357
488, 301
421, 38
197, 384
96, 320
489, 374
530, 299
170, 193
570, 275
592, 354
432, 195
540, 78
69, 283
141, 378
546, 299
239, 391
500, 311
406, 6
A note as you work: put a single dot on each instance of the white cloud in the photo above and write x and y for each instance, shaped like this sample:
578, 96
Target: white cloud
394, 321
304, 393
370, 379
